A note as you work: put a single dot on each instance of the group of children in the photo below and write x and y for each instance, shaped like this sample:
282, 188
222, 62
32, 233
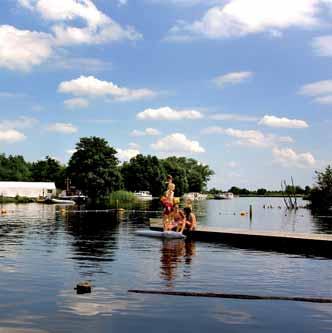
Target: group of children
175, 218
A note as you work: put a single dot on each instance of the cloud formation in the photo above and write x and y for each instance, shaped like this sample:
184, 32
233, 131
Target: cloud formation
76, 103
287, 157
23, 49
233, 117
239, 18
126, 154
273, 121
168, 113
64, 128
321, 90
99, 28
177, 143
89, 86
232, 78
147, 132
11, 136
249, 137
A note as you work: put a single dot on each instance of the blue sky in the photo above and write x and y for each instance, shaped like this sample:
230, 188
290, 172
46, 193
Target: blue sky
244, 86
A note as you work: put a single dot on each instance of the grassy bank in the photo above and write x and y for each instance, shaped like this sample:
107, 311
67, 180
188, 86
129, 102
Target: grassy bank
121, 198
17, 200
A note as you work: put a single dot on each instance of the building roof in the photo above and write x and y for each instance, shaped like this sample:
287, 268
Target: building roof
35, 185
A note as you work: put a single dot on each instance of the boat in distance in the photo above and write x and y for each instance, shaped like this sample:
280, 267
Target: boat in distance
143, 195
195, 196
224, 196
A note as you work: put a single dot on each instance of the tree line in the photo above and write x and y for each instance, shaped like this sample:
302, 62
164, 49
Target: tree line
96, 171
298, 190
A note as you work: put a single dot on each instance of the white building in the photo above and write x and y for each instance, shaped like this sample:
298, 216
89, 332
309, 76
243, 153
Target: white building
27, 189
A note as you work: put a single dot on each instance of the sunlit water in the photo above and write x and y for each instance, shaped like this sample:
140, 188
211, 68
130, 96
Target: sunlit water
46, 250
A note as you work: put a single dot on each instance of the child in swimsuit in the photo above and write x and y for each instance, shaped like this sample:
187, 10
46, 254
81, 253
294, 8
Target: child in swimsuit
167, 202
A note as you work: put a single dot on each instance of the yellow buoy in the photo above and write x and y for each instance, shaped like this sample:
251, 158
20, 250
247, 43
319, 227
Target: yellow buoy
3, 211
243, 213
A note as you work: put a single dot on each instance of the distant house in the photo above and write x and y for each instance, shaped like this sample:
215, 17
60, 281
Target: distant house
27, 189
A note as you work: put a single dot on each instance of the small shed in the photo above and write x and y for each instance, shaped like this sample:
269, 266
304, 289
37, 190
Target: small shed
27, 189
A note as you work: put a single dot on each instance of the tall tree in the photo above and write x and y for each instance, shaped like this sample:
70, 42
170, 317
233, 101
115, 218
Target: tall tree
93, 168
178, 172
48, 170
144, 173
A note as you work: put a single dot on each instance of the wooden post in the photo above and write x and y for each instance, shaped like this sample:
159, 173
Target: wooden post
250, 212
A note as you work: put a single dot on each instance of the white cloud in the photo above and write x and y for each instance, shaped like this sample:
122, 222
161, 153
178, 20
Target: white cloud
75, 103
232, 78
326, 100
20, 122
185, 2
147, 132
273, 121
320, 90
238, 18
70, 151
122, 2
99, 28
323, 45
289, 158
11, 136
249, 137
65, 128
126, 154
177, 143
167, 113
23, 49
90, 86
233, 117
134, 145
317, 88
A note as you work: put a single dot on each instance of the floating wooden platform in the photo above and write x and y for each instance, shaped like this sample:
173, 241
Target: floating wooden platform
288, 242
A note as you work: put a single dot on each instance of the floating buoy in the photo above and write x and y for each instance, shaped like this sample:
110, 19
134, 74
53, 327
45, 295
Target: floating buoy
3, 211
83, 287
243, 213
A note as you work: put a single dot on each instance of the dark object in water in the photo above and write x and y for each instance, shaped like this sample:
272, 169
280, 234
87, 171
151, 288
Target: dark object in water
83, 287
234, 296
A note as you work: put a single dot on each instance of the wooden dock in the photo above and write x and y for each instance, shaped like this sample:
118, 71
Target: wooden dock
287, 242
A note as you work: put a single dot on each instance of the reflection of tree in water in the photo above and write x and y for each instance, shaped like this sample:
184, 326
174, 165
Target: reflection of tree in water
95, 236
323, 224
172, 253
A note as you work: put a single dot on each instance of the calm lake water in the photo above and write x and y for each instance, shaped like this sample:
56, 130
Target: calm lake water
45, 251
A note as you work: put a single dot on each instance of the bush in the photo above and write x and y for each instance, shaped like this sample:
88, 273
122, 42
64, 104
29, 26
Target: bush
321, 195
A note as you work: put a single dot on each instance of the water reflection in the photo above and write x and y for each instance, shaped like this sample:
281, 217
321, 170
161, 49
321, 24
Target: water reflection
94, 239
323, 224
174, 252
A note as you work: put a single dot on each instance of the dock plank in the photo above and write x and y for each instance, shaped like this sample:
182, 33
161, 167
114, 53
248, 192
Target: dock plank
304, 243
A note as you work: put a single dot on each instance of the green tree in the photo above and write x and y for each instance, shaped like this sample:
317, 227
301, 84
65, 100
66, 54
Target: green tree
179, 174
235, 190
14, 168
93, 168
48, 170
189, 175
321, 194
261, 191
144, 173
